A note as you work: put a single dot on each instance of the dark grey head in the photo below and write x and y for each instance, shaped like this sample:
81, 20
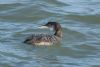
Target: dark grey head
56, 26
50, 24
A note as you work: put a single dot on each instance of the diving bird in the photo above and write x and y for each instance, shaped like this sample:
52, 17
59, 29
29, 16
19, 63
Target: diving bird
46, 39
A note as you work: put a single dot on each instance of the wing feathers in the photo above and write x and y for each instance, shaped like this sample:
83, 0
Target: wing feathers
37, 38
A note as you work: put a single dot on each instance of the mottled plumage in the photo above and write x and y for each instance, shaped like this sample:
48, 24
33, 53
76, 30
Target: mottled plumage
46, 39
42, 39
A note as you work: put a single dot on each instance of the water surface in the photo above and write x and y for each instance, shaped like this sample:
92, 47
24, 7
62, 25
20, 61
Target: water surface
80, 46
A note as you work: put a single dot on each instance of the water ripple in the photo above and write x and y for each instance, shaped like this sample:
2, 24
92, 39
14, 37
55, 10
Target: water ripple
81, 36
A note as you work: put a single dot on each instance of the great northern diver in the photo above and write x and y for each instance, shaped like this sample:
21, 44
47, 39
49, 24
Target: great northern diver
46, 39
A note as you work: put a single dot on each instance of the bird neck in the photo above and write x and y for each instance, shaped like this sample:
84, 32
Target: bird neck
58, 30
58, 33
